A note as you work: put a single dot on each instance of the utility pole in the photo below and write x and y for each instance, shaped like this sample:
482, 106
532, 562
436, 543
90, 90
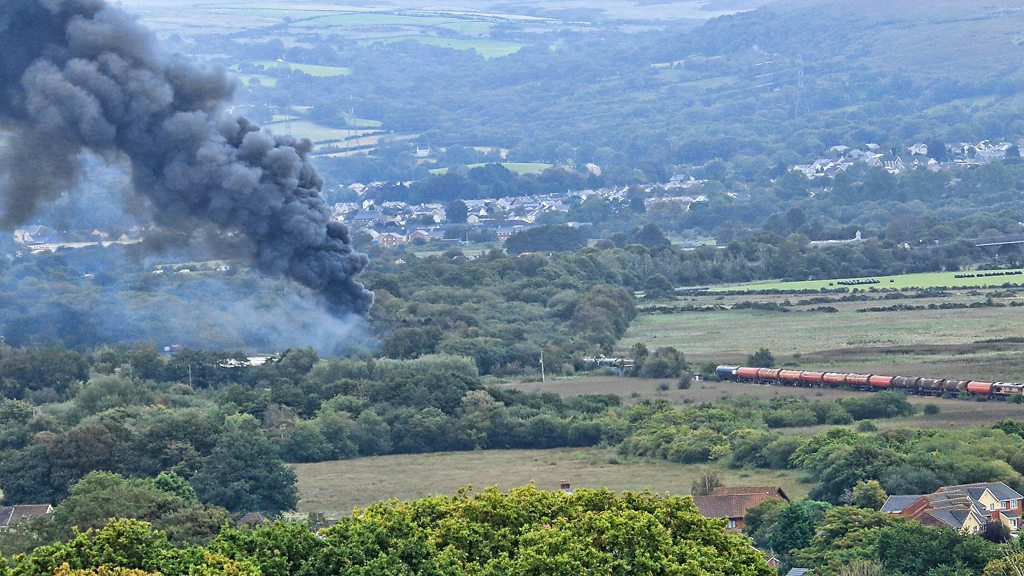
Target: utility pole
189, 374
542, 377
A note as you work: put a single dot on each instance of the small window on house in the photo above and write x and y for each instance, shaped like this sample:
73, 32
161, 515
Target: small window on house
732, 524
991, 506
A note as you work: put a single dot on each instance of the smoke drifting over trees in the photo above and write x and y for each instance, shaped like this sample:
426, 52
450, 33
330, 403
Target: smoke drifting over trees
80, 75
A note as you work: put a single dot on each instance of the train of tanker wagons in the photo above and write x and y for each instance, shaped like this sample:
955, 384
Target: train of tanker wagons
909, 384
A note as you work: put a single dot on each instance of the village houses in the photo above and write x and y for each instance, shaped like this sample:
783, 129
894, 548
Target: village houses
969, 508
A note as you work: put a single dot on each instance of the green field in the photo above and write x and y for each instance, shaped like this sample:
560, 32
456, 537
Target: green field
315, 132
335, 488
486, 47
371, 19
311, 69
517, 167
923, 280
270, 11
470, 27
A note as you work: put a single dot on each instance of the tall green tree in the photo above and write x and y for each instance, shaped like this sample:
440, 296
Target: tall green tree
243, 472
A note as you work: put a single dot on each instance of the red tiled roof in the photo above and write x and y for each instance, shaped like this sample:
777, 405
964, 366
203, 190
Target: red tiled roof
731, 506
744, 490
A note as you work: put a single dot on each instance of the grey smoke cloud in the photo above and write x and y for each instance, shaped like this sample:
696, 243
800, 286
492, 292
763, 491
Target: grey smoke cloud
80, 75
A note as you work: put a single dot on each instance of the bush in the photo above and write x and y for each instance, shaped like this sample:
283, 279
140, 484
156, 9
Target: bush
931, 409
881, 405
763, 358
664, 362
684, 381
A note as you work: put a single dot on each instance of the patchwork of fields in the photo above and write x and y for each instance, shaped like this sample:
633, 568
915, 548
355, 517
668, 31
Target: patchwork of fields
934, 336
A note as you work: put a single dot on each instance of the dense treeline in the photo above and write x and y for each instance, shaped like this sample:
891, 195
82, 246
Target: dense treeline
502, 311
229, 433
524, 532
487, 181
770, 256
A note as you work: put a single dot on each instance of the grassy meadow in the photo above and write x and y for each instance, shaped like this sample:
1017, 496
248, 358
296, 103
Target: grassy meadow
311, 69
322, 135
337, 487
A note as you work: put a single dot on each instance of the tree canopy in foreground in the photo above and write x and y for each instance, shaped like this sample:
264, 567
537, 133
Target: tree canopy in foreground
526, 531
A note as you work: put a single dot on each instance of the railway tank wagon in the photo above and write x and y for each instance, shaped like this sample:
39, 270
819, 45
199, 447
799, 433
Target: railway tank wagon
790, 377
880, 382
726, 372
857, 380
979, 388
808, 378
955, 386
873, 382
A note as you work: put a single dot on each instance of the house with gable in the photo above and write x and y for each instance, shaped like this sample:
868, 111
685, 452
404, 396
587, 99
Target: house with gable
733, 502
390, 239
418, 234
367, 217
969, 508
10, 516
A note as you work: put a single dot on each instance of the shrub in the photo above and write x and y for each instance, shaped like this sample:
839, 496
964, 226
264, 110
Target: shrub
684, 381
866, 426
763, 358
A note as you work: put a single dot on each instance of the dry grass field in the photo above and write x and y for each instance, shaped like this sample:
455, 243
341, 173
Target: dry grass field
335, 488
952, 412
944, 343
921, 280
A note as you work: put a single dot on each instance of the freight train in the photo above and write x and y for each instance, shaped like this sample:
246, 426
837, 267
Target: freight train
909, 384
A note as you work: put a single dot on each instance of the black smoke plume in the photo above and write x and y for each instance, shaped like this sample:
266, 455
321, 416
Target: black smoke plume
80, 75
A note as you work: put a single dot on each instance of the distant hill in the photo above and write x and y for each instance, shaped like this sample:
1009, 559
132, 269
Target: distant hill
642, 88
969, 40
